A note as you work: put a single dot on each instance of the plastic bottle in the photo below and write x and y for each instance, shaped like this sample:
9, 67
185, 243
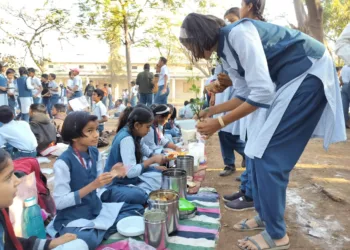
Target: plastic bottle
33, 223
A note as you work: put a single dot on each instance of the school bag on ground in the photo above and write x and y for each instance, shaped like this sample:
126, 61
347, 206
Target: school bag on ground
25, 166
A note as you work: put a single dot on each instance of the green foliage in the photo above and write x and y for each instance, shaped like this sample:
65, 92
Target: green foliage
198, 103
335, 17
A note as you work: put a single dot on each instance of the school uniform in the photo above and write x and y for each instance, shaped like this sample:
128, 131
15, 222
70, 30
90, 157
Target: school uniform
12, 95
345, 91
25, 96
161, 98
55, 95
155, 140
100, 110
287, 73
36, 84
87, 217
145, 180
19, 139
3, 93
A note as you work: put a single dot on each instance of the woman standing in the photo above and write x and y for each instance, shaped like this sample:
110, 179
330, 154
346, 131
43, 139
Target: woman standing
3, 84
286, 72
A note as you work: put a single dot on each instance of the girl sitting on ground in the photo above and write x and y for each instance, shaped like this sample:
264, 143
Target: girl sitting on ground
126, 149
155, 139
170, 128
8, 239
78, 177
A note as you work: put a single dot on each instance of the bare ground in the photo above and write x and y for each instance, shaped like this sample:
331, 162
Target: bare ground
318, 198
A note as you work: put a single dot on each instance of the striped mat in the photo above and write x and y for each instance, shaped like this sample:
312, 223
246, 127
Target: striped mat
198, 233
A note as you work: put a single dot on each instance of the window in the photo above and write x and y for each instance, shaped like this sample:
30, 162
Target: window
134, 67
81, 66
103, 67
50, 66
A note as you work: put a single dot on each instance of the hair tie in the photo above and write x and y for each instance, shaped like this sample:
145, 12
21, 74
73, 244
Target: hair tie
167, 110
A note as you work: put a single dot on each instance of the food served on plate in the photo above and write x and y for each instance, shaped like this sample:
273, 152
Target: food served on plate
162, 197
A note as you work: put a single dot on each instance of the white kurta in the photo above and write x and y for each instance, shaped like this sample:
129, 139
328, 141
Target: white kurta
261, 125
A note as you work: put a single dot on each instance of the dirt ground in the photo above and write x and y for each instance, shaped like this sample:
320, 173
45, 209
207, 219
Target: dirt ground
318, 198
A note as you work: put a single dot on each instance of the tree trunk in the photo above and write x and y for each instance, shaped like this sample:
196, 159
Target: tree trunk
315, 20
127, 51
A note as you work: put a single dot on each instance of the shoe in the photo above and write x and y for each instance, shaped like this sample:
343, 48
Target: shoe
240, 204
243, 163
232, 197
238, 178
227, 171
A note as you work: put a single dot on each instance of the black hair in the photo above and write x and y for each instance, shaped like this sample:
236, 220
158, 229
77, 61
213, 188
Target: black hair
105, 84
89, 81
46, 76
31, 70
191, 100
110, 85
161, 108
163, 59
174, 114
40, 108
70, 73
186, 103
153, 106
133, 83
74, 124
234, 11
146, 66
120, 100
60, 107
258, 8
123, 118
4, 158
171, 107
53, 76
22, 71
10, 71
99, 93
2, 65
142, 116
201, 32
6, 114
337, 68
213, 71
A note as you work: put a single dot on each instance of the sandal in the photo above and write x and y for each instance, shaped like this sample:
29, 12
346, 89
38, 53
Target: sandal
245, 228
272, 245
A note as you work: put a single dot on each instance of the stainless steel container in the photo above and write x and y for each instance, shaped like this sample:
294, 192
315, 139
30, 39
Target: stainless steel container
175, 179
155, 229
186, 163
167, 201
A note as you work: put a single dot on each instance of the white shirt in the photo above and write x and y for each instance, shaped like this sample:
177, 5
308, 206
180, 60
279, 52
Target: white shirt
77, 81
53, 85
11, 87
121, 108
19, 135
164, 71
134, 91
342, 47
188, 112
36, 83
100, 110
345, 74
29, 83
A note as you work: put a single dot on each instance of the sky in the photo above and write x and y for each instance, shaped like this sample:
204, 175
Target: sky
94, 49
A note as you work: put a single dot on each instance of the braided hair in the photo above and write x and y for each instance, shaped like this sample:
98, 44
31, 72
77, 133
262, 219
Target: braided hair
142, 116
258, 8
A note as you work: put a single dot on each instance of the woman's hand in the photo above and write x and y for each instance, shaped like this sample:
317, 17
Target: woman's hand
208, 127
203, 114
160, 159
62, 240
118, 170
161, 168
103, 180
224, 80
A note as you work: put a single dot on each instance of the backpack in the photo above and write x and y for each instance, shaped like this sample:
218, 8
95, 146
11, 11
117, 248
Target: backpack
26, 166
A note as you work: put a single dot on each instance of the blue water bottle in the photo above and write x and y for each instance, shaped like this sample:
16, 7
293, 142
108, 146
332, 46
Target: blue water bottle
33, 223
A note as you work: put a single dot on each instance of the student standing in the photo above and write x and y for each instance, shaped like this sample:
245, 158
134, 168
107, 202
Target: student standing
110, 97
89, 89
3, 84
145, 82
105, 94
77, 85
45, 94
302, 108
10, 74
16, 135
54, 92
25, 88
164, 78
36, 85
79, 182
99, 109
133, 96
